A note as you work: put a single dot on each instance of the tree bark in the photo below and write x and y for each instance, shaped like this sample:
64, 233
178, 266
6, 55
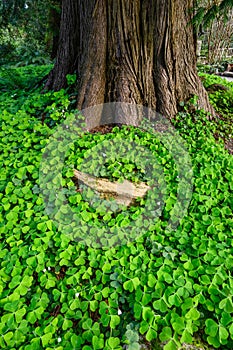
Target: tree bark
52, 35
67, 48
176, 78
136, 51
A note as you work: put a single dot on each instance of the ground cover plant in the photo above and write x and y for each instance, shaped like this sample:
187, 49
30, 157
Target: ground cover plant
164, 286
222, 100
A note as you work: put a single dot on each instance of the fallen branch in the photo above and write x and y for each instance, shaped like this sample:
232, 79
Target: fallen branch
226, 74
124, 193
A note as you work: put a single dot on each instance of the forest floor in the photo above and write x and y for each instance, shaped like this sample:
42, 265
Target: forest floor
183, 265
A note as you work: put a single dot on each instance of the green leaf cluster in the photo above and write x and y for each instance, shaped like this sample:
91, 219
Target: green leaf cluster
222, 101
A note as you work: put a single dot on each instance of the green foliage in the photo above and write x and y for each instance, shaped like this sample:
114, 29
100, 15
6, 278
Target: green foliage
13, 79
23, 28
206, 13
213, 68
71, 79
226, 5
203, 68
15, 82
209, 79
20, 48
222, 102
58, 293
211, 21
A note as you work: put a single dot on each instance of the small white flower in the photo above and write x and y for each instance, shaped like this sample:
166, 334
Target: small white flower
104, 154
59, 340
44, 270
77, 295
49, 268
158, 203
119, 312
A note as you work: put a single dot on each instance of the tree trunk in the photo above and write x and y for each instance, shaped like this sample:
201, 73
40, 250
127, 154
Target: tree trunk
67, 46
52, 35
136, 51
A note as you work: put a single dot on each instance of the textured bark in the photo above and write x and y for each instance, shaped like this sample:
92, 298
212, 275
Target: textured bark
91, 60
137, 51
67, 48
175, 73
53, 27
130, 52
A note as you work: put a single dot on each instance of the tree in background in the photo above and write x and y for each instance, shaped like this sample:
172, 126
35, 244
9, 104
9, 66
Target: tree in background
12, 12
28, 30
133, 51
52, 36
207, 10
213, 20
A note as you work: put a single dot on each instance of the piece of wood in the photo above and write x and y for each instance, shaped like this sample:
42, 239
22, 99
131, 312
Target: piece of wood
226, 74
124, 193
